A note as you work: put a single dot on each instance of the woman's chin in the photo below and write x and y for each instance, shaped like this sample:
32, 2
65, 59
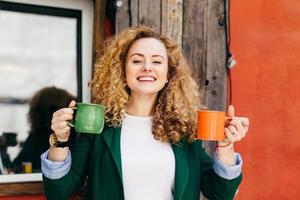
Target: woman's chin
145, 92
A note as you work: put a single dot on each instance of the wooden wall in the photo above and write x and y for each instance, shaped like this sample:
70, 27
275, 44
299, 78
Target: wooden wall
198, 25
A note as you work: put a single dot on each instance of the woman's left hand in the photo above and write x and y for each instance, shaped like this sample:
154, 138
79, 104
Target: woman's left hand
236, 128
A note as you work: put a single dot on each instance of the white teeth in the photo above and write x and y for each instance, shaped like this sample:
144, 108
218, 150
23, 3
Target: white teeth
146, 78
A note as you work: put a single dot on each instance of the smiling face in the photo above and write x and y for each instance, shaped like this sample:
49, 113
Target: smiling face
146, 67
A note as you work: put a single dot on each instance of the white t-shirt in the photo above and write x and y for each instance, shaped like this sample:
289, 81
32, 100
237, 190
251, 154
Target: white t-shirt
148, 165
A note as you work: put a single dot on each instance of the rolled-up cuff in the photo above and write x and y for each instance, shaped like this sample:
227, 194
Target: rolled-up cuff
228, 172
55, 170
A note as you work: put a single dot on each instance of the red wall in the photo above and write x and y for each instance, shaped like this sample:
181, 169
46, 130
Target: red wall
266, 43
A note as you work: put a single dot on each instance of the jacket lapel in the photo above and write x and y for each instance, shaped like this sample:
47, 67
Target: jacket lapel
112, 138
181, 169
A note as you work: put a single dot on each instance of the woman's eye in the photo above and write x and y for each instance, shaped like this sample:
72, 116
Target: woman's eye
157, 62
136, 61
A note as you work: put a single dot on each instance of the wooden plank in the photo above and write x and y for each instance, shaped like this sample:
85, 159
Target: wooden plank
122, 16
134, 11
32, 188
149, 13
194, 39
21, 188
98, 33
216, 75
171, 19
216, 90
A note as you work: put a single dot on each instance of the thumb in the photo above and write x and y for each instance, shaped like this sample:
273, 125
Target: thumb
230, 111
72, 104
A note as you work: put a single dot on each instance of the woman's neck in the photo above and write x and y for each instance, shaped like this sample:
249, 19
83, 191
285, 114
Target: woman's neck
142, 105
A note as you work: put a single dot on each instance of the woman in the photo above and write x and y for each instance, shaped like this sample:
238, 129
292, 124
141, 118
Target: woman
148, 148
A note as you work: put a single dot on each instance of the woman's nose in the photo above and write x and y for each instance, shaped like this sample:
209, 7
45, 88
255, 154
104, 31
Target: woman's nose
147, 67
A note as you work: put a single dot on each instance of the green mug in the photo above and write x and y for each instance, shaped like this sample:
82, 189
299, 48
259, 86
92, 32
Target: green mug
89, 118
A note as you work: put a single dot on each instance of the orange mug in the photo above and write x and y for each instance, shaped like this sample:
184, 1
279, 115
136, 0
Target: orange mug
211, 125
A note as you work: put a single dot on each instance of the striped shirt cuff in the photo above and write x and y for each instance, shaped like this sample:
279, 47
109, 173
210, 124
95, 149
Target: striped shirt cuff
53, 169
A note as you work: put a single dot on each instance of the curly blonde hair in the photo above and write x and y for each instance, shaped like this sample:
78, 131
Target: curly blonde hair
175, 117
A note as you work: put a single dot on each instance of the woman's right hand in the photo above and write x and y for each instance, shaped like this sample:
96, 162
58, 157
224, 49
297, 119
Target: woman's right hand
59, 122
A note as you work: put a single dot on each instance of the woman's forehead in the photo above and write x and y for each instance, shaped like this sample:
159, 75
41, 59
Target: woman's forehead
148, 46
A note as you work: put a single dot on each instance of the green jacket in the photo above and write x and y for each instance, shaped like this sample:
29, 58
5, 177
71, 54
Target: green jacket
98, 157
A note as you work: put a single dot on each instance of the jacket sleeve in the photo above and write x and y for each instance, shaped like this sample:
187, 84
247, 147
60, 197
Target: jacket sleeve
213, 186
67, 185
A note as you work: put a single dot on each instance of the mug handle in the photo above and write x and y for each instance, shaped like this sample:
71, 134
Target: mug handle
70, 123
102, 125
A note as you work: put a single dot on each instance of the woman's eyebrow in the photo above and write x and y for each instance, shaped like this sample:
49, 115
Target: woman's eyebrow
158, 56
142, 55
138, 54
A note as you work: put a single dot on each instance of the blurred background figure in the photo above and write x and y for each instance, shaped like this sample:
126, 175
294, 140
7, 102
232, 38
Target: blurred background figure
41, 107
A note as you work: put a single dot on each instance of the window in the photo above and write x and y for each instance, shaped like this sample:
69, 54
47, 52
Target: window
43, 43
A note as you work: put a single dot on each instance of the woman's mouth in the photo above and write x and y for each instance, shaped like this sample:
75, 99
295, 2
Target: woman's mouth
146, 78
